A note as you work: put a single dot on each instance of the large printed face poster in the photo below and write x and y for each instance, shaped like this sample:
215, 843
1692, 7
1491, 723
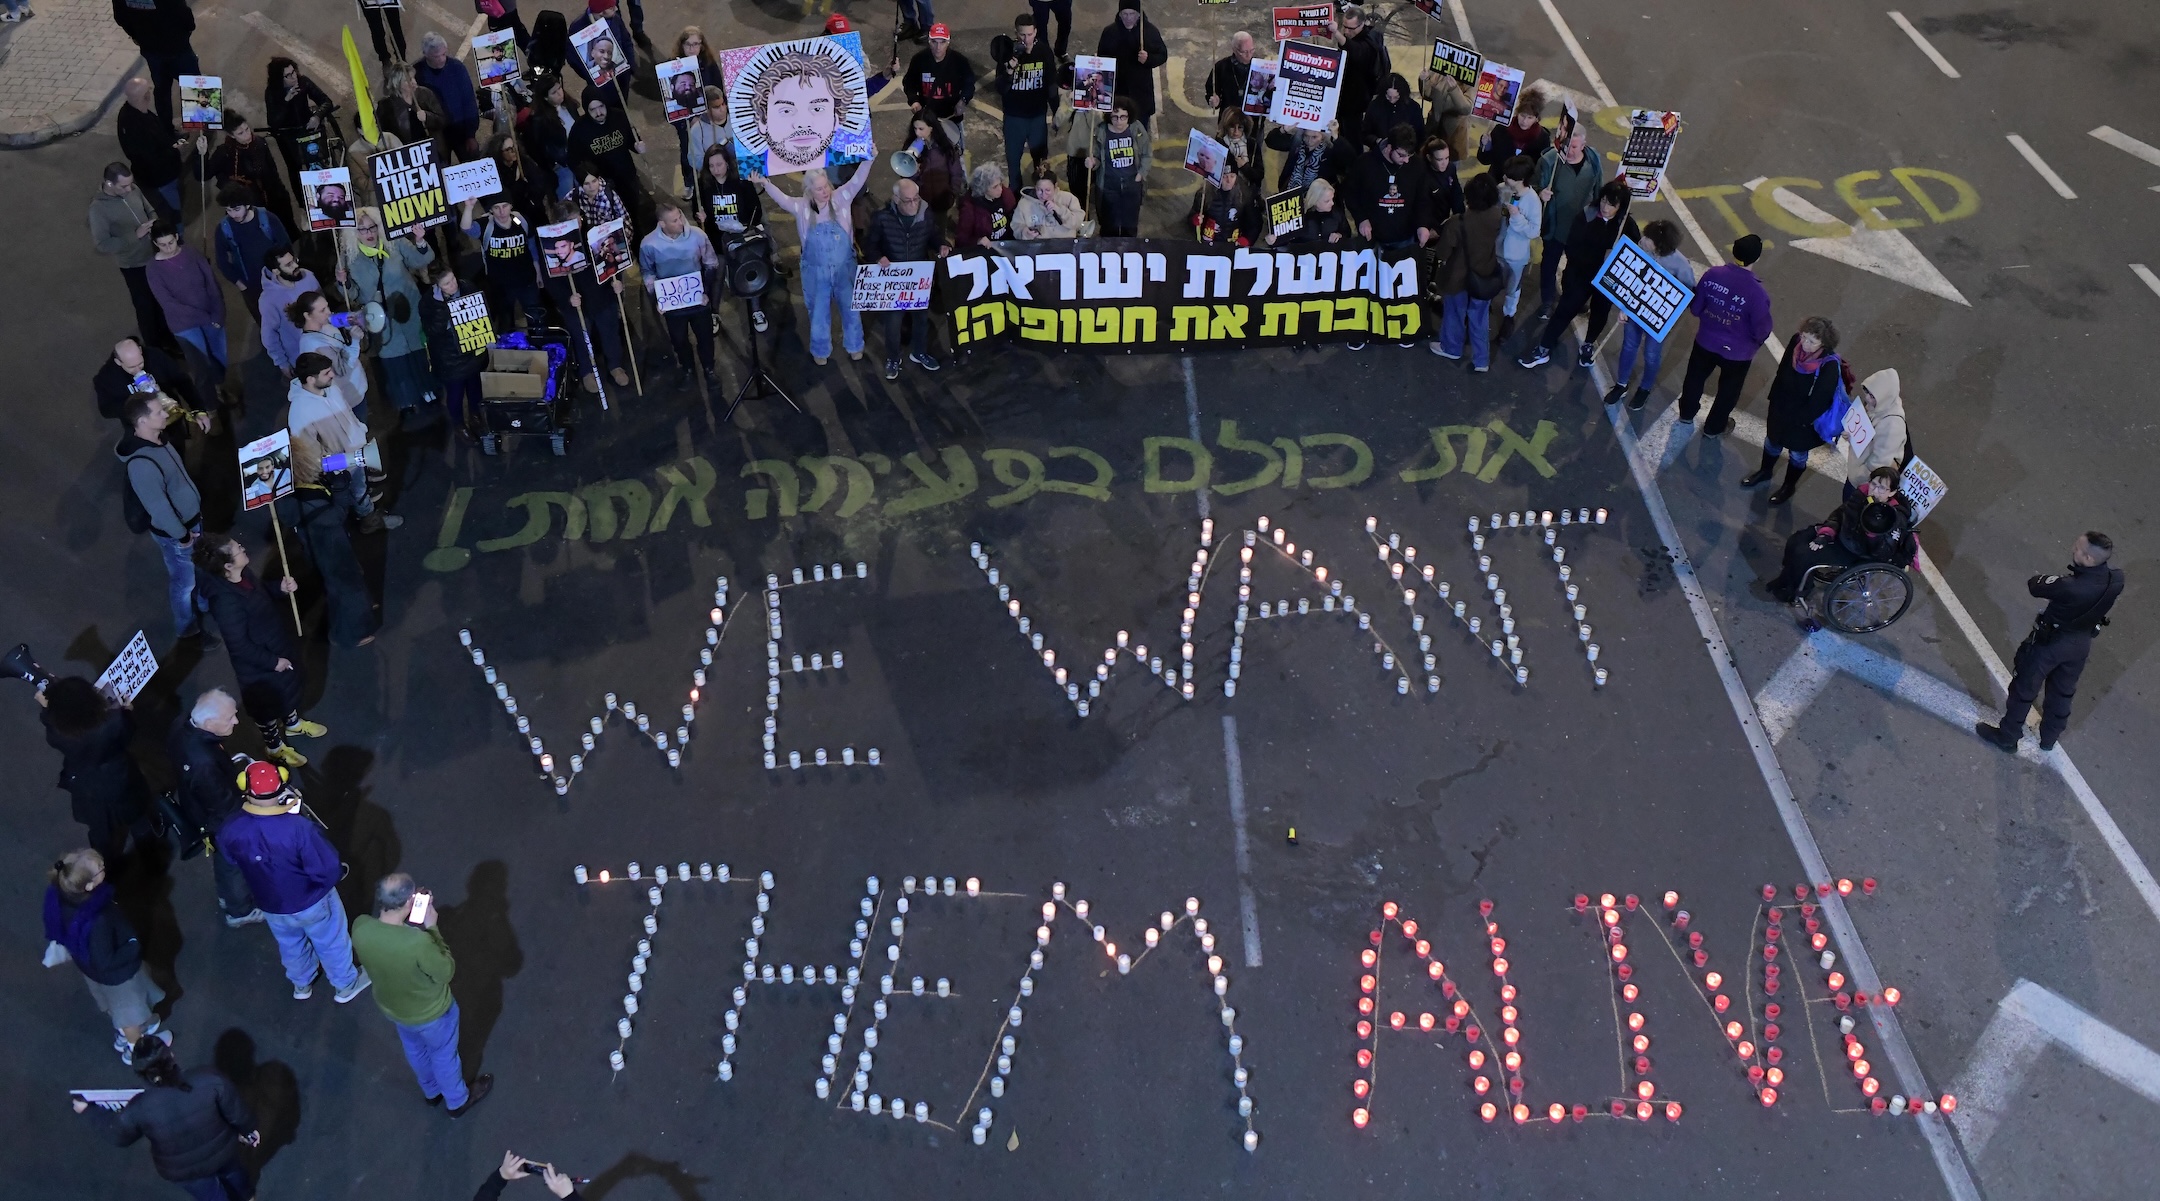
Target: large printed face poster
1498, 87
496, 54
610, 249
329, 198
410, 184
1094, 83
202, 102
266, 470
799, 105
562, 251
682, 89
1308, 85
1260, 88
1207, 158
596, 48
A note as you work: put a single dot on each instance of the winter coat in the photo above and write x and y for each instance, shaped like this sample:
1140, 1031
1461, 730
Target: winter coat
113, 220
280, 337
155, 26
98, 937
1224, 217
255, 623
1797, 398
1381, 117
253, 165
101, 781
113, 386
1589, 243
1732, 312
1574, 186
241, 248
1892, 442
162, 484
1386, 195
453, 88
420, 119
1317, 228
1330, 160
1135, 79
940, 176
321, 426
547, 139
187, 290
194, 1132
288, 862
146, 142
208, 774
1442, 198
1506, 141
1450, 106
1061, 218
1227, 82
1472, 245
903, 239
1365, 70
381, 280
940, 87
285, 118
979, 219
609, 145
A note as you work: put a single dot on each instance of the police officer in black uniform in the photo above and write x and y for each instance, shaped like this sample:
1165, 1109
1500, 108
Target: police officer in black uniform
2054, 654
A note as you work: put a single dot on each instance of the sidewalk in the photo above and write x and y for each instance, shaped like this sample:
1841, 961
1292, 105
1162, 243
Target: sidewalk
61, 70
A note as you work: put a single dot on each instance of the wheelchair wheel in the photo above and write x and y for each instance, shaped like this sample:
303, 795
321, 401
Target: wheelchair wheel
1866, 597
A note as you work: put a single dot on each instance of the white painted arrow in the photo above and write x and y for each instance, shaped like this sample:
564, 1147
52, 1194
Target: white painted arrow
2027, 1022
1885, 252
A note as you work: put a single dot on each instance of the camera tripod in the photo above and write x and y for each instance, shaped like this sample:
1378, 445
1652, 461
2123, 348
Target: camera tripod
758, 383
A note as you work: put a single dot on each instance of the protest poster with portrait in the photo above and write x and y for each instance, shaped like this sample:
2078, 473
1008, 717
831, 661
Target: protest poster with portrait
328, 194
410, 183
610, 249
1308, 85
266, 470
1094, 83
596, 48
680, 292
798, 105
1651, 134
202, 102
562, 251
130, 672
1921, 486
1498, 87
894, 287
1286, 212
1260, 87
468, 180
682, 89
469, 320
1646, 292
1206, 157
1459, 63
1303, 21
496, 56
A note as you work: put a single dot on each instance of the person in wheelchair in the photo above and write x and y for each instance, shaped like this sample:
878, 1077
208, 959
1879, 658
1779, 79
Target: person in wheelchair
1872, 526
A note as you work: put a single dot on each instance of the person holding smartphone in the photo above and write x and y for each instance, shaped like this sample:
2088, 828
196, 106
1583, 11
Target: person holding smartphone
412, 966
517, 1167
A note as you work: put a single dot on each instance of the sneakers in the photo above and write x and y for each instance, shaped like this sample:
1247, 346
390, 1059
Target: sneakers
856, 356
302, 992
482, 1085
1538, 357
251, 918
1641, 398
1995, 736
820, 359
1452, 358
757, 320
892, 369
592, 383
1586, 355
924, 361
292, 759
1616, 394
358, 986
688, 193
1480, 368
1407, 343
2047, 744
307, 729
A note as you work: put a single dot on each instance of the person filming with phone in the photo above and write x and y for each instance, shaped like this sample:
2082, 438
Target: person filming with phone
517, 1167
411, 966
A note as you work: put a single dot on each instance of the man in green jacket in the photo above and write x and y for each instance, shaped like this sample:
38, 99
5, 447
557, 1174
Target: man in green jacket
1568, 178
411, 967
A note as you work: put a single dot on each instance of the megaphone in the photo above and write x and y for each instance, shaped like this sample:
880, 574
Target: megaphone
903, 164
22, 665
373, 317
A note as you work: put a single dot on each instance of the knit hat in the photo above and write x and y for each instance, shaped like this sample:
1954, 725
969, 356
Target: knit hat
1747, 249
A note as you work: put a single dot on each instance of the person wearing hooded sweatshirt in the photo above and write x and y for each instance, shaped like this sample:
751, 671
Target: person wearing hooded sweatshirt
1568, 178
1471, 247
284, 280
1137, 45
82, 918
1892, 444
167, 497
1664, 240
328, 440
1732, 314
195, 1121
120, 220
293, 871
1393, 105
602, 138
1596, 229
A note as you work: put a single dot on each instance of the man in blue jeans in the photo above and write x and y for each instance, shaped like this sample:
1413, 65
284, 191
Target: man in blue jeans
293, 871
167, 506
412, 966
1027, 83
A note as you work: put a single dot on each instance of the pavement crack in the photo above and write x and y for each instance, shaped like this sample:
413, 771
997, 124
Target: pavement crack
1430, 789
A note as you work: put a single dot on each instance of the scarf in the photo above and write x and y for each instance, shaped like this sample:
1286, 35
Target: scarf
373, 252
1808, 364
72, 930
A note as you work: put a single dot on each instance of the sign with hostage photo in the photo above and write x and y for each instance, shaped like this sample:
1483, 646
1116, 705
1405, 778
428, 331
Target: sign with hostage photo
799, 105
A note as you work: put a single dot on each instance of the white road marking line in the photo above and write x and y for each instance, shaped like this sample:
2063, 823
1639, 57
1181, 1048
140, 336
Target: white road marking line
1927, 48
2146, 273
1192, 420
479, 22
1462, 23
1234, 767
2038, 164
1798, 681
1560, 26
331, 79
2028, 1020
1957, 1177
2127, 144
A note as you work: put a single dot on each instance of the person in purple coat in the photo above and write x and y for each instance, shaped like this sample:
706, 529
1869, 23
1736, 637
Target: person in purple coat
292, 869
1732, 312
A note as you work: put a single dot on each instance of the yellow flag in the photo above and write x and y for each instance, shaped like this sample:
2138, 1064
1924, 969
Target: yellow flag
361, 100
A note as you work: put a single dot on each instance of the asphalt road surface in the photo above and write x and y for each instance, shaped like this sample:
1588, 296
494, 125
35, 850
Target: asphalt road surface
1725, 751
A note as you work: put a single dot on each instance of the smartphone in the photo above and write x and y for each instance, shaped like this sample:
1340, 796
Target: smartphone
423, 907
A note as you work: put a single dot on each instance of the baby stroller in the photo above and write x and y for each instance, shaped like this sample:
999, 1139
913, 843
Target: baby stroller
525, 392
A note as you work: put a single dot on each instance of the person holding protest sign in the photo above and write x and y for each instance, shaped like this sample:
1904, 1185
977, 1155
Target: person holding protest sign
1524, 134
1470, 246
259, 639
456, 360
1226, 81
1309, 154
617, 39
452, 86
1591, 239
152, 148
501, 15
120, 220
906, 231
244, 158
383, 271
1568, 177
294, 107
83, 919
1447, 108
207, 796
1119, 161
1138, 47
1027, 87
730, 208
1891, 445
106, 791
1664, 239
1080, 134
1365, 66
194, 306
603, 139
676, 247
824, 224
590, 311
165, 505
195, 1121
1806, 386
1322, 221
163, 30
709, 130
245, 237
690, 43
328, 443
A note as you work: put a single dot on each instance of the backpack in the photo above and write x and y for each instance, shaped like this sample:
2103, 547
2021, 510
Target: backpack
132, 511
1832, 421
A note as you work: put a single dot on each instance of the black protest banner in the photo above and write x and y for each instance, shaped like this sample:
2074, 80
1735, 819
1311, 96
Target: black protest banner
1459, 63
1286, 212
409, 180
469, 318
1143, 294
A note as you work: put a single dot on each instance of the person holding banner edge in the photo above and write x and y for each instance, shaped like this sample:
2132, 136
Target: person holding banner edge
457, 366
1470, 246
